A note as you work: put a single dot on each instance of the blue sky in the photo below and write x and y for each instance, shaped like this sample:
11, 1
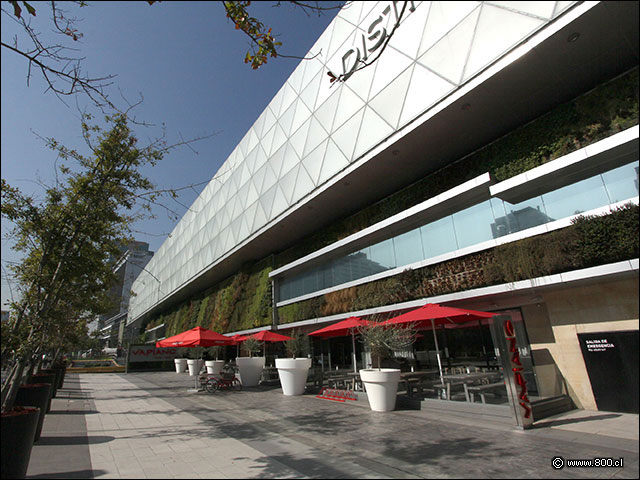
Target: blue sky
184, 58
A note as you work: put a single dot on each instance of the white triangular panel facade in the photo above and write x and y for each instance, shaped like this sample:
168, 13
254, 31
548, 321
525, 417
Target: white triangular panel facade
313, 130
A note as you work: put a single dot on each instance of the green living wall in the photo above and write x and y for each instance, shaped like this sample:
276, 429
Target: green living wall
588, 242
240, 302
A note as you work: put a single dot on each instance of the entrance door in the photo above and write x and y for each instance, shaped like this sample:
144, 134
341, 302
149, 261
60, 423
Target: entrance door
611, 359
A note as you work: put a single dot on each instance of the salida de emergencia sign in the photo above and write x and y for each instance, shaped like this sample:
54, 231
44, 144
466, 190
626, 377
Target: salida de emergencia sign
599, 345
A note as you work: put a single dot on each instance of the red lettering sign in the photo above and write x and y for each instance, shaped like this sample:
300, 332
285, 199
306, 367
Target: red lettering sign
153, 354
516, 367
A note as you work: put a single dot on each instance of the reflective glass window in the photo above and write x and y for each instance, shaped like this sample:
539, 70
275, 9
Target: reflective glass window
622, 182
408, 247
490, 219
325, 276
576, 198
310, 281
473, 225
361, 264
520, 216
298, 286
341, 271
438, 237
382, 255
284, 291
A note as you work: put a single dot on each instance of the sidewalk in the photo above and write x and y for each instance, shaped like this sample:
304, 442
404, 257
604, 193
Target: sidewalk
147, 425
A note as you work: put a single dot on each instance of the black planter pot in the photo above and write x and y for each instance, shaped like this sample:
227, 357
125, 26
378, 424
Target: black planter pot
57, 374
35, 395
18, 430
63, 371
45, 378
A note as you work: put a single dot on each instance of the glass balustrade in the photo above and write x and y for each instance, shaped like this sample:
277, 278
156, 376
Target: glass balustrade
482, 222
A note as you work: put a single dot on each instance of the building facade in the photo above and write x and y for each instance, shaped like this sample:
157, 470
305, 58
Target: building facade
112, 325
487, 158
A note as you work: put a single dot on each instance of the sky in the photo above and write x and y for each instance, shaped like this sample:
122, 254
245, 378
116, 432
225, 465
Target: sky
184, 59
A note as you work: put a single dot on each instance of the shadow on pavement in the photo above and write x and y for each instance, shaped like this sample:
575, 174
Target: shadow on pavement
568, 421
72, 474
75, 440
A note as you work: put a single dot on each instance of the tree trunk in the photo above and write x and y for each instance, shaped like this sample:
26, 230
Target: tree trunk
10, 388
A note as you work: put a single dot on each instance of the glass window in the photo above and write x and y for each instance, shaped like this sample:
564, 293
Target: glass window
325, 276
408, 247
490, 219
284, 292
521, 216
473, 225
297, 286
309, 281
361, 265
576, 198
383, 255
438, 237
341, 271
622, 183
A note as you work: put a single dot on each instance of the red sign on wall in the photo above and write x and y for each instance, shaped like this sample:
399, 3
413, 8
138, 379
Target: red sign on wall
153, 354
517, 369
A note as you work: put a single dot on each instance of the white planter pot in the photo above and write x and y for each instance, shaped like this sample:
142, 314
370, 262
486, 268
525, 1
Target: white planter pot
194, 366
214, 366
293, 374
181, 364
250, 369
381, 386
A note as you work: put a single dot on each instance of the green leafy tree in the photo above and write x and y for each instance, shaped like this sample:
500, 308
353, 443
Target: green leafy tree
252, 346
384, 339
69, 238
296, 345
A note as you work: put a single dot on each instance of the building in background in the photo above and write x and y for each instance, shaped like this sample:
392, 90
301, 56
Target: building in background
451, 170
127, 267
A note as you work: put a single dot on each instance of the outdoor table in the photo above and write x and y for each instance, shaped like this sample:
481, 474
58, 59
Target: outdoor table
472, 377
356, 382
465, 380
414, 380
482, 390
340, 381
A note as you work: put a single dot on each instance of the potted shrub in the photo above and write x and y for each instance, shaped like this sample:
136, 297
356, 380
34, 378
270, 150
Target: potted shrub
381, 384
293, 371
250, 368
214, 366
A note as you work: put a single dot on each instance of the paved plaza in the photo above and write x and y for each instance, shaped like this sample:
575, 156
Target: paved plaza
148, 425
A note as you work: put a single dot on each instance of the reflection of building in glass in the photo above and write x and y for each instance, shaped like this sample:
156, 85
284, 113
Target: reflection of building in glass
517, 220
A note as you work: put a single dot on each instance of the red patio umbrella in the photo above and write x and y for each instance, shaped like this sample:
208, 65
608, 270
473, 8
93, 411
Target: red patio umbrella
268, 336
431, 314
196, 337
346, 327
